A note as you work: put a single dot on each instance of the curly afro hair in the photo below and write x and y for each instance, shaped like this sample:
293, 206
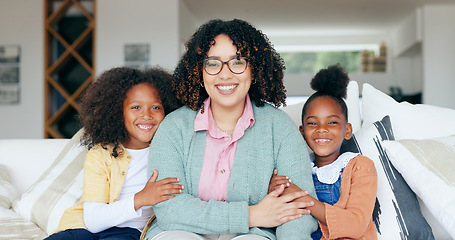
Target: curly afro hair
162, 81
330, 82
266, 64
102, 103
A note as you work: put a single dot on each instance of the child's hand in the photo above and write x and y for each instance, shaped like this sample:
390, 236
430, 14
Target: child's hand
276, 181
156, 192
274, 210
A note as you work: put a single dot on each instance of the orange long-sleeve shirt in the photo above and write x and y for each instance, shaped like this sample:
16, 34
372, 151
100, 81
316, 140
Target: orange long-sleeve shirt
351, 217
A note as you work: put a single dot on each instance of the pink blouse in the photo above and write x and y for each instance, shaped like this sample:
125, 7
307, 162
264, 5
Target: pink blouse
220, 150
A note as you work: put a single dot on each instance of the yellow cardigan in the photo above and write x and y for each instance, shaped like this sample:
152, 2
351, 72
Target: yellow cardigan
352, 216
104, 176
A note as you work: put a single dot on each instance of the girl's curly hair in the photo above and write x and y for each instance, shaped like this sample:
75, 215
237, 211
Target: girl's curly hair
329, 82
102, 103
266, 64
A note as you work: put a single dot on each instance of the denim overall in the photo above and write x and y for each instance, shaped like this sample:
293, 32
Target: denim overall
327, 193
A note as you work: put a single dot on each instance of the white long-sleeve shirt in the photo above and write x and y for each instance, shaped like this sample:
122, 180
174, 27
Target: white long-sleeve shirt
101, 216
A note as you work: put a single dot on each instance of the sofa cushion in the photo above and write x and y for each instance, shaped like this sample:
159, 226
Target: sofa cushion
13, 226
428, 166
409, 121
7, 191
397, 213
57, 189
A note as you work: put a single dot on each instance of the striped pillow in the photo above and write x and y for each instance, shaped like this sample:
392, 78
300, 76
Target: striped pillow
428, 166
59, 188
397, 212
7, 191
13, 226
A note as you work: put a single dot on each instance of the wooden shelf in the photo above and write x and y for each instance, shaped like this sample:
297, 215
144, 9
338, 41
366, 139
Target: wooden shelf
69, 44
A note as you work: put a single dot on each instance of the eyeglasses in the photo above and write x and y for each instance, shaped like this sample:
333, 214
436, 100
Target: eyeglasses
236, 65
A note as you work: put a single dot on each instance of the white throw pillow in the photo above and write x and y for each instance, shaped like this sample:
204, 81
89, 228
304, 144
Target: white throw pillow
428, 166
59, 188
409, 121
397, 212
7, 191
352, 102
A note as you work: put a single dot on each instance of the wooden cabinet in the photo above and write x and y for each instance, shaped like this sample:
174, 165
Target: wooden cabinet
69, 62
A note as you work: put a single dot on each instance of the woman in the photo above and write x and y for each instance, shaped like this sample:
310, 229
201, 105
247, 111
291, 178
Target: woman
226, 142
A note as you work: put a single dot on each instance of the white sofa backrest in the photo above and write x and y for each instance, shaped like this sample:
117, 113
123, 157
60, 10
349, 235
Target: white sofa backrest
28, 159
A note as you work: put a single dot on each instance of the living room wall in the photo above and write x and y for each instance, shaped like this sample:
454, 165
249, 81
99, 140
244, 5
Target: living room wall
438, 50
22, 24
120, 22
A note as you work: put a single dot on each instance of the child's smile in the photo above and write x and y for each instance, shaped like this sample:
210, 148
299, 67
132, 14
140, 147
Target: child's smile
142, 114
145, 126
322, 141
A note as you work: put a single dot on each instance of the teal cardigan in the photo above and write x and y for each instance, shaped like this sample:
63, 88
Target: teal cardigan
273, 142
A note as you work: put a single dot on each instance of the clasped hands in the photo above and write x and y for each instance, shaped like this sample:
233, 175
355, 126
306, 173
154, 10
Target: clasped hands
285, 202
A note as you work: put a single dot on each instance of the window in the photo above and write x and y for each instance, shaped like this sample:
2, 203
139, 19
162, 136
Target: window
310, 59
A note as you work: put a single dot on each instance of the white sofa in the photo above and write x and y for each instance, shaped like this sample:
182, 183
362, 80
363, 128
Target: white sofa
45, 175
26, 160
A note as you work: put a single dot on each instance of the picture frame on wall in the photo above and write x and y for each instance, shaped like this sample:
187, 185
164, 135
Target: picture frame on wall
9, 74
137, 55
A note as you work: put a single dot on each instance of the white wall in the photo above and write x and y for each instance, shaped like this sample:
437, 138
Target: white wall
21, 23
188, 25
439, 55
121, 22
408, 33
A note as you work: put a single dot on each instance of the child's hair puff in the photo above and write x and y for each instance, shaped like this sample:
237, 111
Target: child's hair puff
330, 82
101, 109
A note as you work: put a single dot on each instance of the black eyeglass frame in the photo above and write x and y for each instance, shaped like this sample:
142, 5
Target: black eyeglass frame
227, 64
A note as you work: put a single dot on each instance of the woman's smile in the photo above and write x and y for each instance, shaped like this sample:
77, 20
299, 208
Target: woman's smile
226, 88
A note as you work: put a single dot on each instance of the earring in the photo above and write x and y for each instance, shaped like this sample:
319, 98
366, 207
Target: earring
253, 81
202, 84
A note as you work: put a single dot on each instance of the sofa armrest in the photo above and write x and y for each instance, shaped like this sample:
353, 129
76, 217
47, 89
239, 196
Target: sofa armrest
28, 159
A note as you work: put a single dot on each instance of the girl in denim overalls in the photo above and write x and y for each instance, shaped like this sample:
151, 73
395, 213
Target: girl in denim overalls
345, 183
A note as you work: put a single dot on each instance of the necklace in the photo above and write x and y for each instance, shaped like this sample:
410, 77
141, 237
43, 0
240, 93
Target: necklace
227, 132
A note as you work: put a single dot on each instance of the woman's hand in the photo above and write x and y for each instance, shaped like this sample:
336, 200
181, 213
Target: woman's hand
274, 210
156, 192
276, 181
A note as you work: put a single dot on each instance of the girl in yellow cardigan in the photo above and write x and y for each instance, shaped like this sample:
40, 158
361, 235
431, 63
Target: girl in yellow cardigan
345, 183
121, 112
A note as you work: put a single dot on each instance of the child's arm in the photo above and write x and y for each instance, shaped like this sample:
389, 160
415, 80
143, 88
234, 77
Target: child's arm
101, 216
100, 212
274, 210
276, 181
356, 212
352, 216
316, 208
156, 191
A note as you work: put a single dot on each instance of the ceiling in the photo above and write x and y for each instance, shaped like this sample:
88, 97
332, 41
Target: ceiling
293, 17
